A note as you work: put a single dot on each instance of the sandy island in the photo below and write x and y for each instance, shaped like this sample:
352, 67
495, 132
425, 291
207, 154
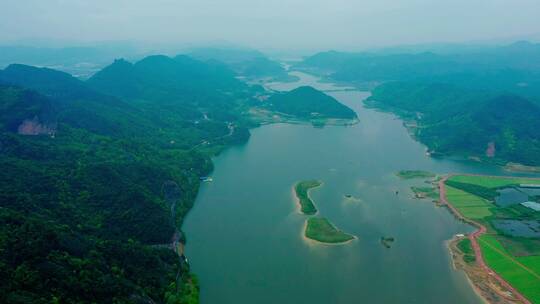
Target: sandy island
311, 241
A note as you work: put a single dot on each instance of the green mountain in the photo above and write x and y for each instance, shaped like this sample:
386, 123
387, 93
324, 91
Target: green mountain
206, 97
93, 187
453, 120
75, 103
306, 102
163, 77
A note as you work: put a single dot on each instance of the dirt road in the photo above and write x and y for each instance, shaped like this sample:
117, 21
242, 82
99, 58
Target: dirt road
474, 242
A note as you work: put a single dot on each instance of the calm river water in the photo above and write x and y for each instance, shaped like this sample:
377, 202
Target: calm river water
244, 233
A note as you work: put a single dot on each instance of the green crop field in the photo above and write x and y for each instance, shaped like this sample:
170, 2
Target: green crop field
470, 206
492, 182
515, 259
523, 273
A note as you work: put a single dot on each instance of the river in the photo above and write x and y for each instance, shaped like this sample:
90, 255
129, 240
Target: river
244, 232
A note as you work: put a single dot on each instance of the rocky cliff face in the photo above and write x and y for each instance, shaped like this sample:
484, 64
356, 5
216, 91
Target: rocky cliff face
35, 127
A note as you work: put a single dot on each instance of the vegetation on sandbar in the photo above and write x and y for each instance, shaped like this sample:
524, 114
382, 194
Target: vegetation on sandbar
425, 192
302, 193
410, 174
464, 245
320, 229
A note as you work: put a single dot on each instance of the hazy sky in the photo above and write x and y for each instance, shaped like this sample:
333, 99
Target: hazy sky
264, 24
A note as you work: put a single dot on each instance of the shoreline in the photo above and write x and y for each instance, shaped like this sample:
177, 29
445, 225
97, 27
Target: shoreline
455, 254
312, 242
406, 120
484, 284
297, 203
298, 207
481, 264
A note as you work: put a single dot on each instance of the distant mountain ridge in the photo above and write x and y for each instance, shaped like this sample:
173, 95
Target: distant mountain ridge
481, 102
248, 63
513, 68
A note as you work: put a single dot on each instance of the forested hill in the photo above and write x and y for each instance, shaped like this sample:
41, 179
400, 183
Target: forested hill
59, 85
86, 179
76, 104
205, 94
456, 97
453, 120
306, 102
162, 77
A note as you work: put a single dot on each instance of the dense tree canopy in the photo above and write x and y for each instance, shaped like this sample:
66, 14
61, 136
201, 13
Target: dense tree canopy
83, 214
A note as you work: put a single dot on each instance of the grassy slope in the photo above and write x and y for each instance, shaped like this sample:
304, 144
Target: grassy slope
320, 229
523, 272
302, 193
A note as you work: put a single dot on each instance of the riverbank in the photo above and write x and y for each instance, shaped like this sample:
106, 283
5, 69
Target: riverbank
503, 288
484, 284
515, 167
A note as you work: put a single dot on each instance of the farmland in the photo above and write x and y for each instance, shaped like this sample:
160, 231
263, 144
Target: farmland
515, 259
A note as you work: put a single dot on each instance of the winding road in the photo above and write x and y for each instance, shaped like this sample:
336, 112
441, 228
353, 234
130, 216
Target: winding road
474, 242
